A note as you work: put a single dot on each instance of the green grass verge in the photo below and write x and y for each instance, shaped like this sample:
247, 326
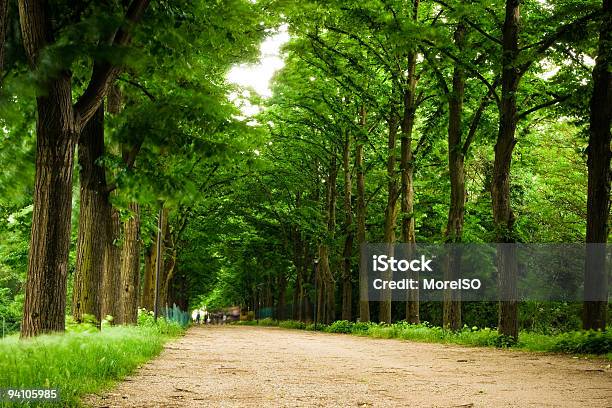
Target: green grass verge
577, 342
82, 360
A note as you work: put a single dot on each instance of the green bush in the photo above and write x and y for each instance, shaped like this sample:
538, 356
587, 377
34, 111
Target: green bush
292, 324
340, 326
589, 342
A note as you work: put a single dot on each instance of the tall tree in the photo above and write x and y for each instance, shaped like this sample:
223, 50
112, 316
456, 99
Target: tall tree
599, 176
59, 123
86, 299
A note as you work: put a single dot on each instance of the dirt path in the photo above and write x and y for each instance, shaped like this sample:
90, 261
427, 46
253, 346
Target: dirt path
237, 366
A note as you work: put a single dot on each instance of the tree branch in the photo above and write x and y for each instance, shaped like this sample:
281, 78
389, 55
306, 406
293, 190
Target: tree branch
472, 24
104, 73
543, 45
543, 105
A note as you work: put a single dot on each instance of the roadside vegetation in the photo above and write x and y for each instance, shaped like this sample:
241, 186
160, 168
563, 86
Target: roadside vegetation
84, 359
575, 342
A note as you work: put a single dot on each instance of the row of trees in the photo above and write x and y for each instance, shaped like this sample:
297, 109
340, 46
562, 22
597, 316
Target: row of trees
132, 96
392, 121
396, 120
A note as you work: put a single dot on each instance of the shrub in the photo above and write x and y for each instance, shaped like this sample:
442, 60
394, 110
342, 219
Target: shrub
589, 342
292, 324
340, 326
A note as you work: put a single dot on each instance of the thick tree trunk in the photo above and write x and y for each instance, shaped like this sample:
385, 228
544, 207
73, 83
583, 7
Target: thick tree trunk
86, 297
384, 311
598, 191
456, 168
130, 266
500, 188
45, 293
45, 289
364, 304
347, 284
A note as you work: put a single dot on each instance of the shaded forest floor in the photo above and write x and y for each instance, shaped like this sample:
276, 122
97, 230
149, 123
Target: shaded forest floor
237, 366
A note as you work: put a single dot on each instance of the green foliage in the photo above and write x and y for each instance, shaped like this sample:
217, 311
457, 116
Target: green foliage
292, 324
575, 342
80, 361
580, 342
340, 326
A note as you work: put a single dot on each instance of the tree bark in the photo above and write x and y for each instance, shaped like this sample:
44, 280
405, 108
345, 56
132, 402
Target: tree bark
58, 126
86, 297
45, 294
168, 260
456, 168
347, 285
384, 312
407, 186
282, 296
130, 266
500, 188
111, 278
364, 304
45, 289
326, 278
599, 176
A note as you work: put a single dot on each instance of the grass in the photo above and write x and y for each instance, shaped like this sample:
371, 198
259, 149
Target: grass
576, 342
82, 360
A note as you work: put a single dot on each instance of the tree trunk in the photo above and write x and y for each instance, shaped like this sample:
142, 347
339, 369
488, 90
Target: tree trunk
347, 285
150, 270
45, 288
500, 188
148, 286
456, 168
45, 293
364, 304
407, 171
86, 297
169, 260
130, 266
326, 277
598, 190
282, 296
384, 312
111, 278
111, 275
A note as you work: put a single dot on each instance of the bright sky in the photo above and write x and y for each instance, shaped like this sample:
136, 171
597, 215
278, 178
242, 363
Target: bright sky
258, 76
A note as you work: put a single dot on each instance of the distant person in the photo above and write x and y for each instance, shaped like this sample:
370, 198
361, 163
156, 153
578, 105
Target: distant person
197, 318
208, 320
224, 318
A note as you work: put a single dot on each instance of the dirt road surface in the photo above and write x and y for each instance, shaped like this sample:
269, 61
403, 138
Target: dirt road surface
238, 366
